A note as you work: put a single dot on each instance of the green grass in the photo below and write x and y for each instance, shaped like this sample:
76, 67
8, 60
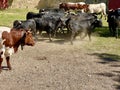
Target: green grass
8, 16
104, 44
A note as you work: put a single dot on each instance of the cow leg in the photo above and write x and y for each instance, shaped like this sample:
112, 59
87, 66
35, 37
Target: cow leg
83, 36
117, 33
113, 30
104, 13
72, 37
55, 32
89, 35
101, 15
110, 28
1, 60
76, 34
61, 29
50, 37
49, 34
34, 34
8, 62
40, 32
68, 29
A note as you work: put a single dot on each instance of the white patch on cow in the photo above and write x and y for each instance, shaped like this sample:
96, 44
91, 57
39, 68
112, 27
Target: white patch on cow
2, 49
81, 3
5, 51
2, 28
71, 3
9, 51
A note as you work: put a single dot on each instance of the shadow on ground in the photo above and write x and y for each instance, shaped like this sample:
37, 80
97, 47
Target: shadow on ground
113, 61
107, 58
103, 32
59, 39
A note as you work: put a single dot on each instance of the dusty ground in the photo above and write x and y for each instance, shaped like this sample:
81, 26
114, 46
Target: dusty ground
60, 66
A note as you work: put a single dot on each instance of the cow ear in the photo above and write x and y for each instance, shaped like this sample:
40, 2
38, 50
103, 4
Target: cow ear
29, 31
59, 19
1, 52
3, 41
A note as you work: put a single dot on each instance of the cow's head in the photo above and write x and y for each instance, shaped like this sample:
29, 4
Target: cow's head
98, 23
29, 38
18, 24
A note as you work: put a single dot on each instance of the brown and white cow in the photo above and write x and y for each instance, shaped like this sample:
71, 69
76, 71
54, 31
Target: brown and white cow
10, 40
73, 6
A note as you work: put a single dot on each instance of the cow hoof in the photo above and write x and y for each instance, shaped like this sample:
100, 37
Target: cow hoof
9, 68
0, 70
50, 40
71, 43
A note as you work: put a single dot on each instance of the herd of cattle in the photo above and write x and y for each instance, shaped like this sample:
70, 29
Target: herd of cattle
52, 21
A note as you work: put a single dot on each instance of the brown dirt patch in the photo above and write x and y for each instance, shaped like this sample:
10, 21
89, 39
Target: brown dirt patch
60, 66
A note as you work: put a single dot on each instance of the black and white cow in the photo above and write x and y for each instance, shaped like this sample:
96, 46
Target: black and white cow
31, 15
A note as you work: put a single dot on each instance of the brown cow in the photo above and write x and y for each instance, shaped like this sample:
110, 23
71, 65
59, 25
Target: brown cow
10, 41
70, 5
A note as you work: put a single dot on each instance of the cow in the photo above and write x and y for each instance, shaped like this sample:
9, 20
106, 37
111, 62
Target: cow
99, 8
49, 24
10, 42
83, 23
51, 10
82, 6
31, 15
25, 24
68, 6
3, 28
74, 6
114, 21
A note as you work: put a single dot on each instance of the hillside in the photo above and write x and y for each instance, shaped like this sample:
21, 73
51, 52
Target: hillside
44, 3
24, 3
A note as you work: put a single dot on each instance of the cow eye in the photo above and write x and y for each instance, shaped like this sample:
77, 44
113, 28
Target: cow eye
1, 53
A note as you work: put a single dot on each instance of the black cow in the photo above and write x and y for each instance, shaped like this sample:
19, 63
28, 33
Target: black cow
31, 15
50, 10
83, 23
50, 24
29, 24
114, 21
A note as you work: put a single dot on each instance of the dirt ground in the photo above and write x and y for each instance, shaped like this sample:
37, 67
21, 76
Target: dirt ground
58, 65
